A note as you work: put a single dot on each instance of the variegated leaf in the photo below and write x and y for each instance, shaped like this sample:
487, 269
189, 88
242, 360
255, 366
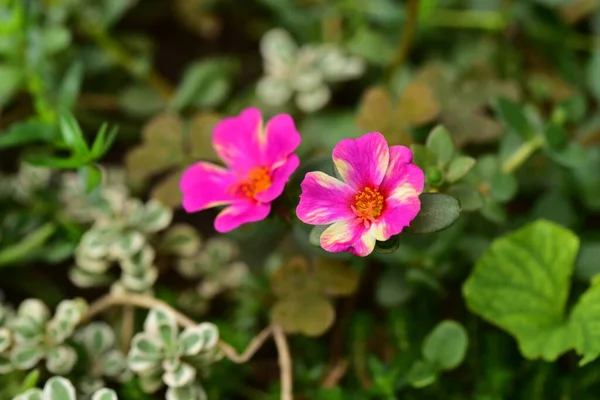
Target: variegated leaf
195, 339
183, 375
59, 388
105, 394
127, 244
189, 392
26, 356
156, 217
61, 360
182, 240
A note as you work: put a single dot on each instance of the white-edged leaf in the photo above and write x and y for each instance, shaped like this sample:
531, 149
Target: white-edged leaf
97, 337
140, 261
31, 394
5, 339
128, 244
189, 392
59, 388
25, 356
195, 339
182, 240
140, 282
34, 309
181, 376
61, 360
114, 365
156, 217
158, 317
104, 394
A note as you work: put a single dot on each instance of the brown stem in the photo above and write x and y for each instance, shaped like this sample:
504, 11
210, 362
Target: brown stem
251, 349
285, 363
127, 328
148, 302
407, 38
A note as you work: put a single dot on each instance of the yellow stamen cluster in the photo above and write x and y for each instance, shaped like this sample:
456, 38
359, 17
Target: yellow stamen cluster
258, 180
368, 205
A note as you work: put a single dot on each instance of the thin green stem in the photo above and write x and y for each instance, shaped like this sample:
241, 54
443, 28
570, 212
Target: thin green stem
407, 38
486, 20
512, 163
31, 243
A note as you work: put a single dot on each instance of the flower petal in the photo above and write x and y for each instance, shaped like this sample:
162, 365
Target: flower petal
324, 200
279, 178
399, 212
402, 185
402, 172
241, 213
279, 140
205, 185
235, 140
350, 236
362, 162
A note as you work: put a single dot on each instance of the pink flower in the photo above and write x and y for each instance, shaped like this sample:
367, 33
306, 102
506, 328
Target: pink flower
377, 199
259, 162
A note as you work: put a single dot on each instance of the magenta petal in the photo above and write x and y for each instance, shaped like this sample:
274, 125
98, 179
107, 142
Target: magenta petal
279, 178
402, 185
241, 213
350, 236
362, 162
236, 140
324, 200
205, 185
280, 139
401, 172
399, 212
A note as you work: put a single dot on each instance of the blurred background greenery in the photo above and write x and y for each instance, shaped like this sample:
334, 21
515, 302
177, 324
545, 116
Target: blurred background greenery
104, 102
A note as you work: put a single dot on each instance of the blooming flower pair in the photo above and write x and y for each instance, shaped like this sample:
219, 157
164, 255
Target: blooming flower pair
377, 197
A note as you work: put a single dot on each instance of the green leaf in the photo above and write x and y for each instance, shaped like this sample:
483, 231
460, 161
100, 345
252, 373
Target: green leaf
72, 134
438, 212
104, 394
556, 137
204, 84
314, 237
140, 100
25, 132
10, 81
91, 176
503, 187
470, 198
439, 142
521, 284
56, 162
593, 73
371, 45
514, 118
588, 261
427, 10
70, 86
392, 288
561, 149
446, 346
33, 241
389, 246
459, 167
103, 141
58, 388
30, 380
421, 374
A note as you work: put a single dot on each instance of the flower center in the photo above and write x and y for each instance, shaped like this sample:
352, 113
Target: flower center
258, 180
368, 205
